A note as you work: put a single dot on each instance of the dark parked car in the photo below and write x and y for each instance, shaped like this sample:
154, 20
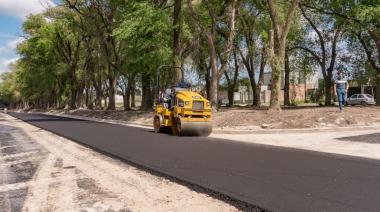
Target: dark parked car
361, 99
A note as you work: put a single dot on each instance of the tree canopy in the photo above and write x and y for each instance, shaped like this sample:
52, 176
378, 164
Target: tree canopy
84, 53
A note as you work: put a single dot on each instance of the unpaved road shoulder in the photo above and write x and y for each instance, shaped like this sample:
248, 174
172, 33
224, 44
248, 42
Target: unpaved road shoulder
256, 118
45, 172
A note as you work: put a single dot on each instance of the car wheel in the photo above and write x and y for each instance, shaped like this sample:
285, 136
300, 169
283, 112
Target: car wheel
363, 103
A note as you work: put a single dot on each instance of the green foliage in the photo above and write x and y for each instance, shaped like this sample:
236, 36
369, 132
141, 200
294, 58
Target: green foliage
146, 30
36, 73
8, 92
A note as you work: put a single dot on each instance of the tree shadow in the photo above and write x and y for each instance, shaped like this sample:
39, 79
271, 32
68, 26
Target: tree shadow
373, 138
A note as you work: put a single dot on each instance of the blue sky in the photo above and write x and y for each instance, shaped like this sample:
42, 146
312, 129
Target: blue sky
12, 15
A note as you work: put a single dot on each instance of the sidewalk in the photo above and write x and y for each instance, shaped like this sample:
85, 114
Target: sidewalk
337, 140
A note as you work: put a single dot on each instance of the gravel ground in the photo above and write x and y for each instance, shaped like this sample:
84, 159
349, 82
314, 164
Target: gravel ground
294, 118
41, 171
19, 161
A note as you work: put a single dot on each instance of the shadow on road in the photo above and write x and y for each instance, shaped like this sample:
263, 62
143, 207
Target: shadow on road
373, 138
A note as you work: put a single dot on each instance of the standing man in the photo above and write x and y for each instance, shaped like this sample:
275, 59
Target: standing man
340, 89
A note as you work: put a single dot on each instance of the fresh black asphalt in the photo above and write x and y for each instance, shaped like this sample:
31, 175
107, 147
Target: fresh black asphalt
277, 179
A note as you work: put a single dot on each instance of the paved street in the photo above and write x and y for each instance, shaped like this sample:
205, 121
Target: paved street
272, 178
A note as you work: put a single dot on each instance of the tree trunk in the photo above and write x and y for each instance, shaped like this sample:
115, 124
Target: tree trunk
98, 100
90, 105
58, 105
147, 100
80, 95
254, 87
230, 90
214, 74
87, 97
73, 99
276, 83
261, 79
277, 62
126, 101
97, 82
207, 79
287, 82
328, 81
177, 42
230, 96
232, 82
111, 94
377, 94
375, 35
251, 75
127, 105
133, 92
328, 88
277, 59
73, 90
127, 95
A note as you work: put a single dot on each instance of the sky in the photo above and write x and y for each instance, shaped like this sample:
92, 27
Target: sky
12, 14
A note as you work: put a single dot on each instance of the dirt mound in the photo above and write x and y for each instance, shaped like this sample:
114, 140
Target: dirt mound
297, 118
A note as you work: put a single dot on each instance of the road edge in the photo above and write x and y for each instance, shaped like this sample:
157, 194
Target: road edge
225, 131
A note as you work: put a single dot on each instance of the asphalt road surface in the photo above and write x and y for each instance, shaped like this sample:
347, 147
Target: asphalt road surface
276, 179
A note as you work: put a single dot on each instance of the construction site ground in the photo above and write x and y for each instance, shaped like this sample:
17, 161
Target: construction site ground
245, 118
38, 165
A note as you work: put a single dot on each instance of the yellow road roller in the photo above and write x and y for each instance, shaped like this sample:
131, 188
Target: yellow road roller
184, 112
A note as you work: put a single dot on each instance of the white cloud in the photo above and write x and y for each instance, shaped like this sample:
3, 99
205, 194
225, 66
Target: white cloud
11, 45
7, 50
4, 64
23, 8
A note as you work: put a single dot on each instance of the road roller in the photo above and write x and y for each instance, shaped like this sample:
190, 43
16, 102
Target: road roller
183, 112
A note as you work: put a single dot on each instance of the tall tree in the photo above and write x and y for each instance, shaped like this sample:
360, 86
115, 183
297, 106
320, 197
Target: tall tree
362, 17
68, 46
209, 33
327, 53
146, 31
277, 59
232, 81
252, 23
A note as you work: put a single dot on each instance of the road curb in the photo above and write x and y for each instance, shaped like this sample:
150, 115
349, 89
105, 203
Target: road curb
225, 131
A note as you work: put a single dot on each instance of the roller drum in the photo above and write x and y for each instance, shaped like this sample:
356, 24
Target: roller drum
189, 128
